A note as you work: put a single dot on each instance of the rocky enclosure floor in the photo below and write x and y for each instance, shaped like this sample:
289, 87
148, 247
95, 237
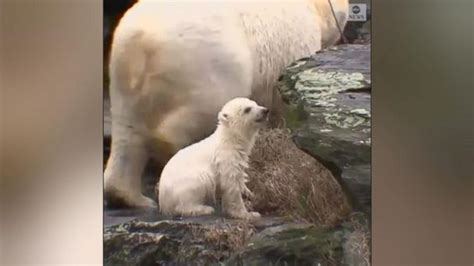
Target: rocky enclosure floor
214, 240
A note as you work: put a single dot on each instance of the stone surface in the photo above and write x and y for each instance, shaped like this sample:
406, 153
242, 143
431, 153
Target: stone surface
212, 240
205, 240
292, 244
328, 97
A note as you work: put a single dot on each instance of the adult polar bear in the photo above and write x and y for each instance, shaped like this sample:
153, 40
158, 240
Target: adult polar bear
174, 64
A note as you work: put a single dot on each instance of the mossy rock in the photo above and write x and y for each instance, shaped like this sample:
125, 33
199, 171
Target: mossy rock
328, 110
293, 245
206, 240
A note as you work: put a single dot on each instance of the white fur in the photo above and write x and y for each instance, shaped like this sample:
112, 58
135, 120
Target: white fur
191, 179
174, 64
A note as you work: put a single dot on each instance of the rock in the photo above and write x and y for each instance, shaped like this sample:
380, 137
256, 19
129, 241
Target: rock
212, 240
305, 244
292, 244
328, 110
197, 241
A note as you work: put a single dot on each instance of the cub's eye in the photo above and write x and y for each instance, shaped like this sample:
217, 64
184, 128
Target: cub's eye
247, 110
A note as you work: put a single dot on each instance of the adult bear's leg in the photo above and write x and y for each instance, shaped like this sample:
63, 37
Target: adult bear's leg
122, 177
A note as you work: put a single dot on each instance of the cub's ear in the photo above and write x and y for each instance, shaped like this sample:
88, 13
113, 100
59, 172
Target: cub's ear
223, 118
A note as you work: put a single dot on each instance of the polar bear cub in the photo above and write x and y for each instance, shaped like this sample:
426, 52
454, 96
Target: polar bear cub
195, 175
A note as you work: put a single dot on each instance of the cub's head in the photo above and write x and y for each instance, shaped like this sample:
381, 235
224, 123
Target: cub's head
243, 115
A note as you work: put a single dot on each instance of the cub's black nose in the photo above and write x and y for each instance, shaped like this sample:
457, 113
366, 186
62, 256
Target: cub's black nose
265, 111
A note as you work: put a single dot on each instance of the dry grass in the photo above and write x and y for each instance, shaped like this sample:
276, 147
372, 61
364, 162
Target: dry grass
233, 237
287, 181
358, 242
360, 245
215, 242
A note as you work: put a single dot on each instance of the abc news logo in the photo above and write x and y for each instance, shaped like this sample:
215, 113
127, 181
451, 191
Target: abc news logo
357, 12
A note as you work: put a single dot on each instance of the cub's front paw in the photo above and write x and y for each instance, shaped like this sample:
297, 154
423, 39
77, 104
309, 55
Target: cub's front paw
254, 215
245, 215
